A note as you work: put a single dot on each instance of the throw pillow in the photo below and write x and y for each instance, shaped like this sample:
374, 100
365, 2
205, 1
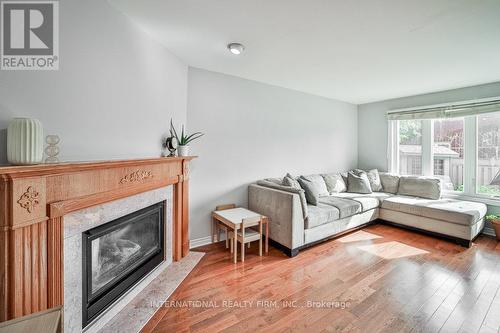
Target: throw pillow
358, 184
278, 181
422, 187
374, 179
334, 183
319, 182
292, 182
344, 177
390, 182
311, 191
357, 172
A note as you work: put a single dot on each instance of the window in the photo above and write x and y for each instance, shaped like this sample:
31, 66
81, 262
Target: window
438, 167
448, 152
461, 149
488, 154
410, 147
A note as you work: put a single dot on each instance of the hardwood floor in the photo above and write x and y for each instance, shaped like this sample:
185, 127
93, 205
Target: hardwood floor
379, 279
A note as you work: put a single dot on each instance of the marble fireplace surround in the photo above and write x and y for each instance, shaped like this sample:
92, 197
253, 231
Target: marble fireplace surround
160, 279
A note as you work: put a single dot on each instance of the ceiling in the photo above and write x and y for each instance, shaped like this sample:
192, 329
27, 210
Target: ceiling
357, 51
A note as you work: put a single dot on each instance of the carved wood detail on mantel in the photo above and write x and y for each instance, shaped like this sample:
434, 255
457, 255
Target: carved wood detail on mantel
30, 199
136, 176
33, 202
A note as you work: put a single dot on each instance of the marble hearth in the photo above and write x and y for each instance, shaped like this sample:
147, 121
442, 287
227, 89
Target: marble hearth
132, 310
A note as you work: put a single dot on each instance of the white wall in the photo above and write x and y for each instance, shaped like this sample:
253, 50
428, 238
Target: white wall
113, 95
372, 122
255, 131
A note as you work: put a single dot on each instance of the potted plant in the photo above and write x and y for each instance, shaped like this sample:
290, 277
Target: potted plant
495, 221
184, 139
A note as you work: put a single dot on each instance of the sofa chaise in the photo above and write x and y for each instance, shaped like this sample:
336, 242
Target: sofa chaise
308, 209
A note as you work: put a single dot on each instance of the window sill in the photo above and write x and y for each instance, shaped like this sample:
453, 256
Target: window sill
491, 201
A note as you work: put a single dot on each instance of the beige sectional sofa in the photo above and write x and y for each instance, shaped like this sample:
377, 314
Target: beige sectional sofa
413, 202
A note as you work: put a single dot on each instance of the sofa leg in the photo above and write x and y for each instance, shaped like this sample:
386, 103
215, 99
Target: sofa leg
463, 242
289, 252
293, 252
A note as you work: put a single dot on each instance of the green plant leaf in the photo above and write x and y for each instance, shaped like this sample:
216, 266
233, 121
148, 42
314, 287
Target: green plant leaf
184, 139
194, 137
172, 128
194, 134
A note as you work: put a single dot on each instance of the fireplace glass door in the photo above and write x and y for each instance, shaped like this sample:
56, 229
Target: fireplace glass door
118, 254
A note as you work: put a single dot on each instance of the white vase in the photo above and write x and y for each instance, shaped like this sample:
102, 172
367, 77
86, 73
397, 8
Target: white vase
182, 150
25, 141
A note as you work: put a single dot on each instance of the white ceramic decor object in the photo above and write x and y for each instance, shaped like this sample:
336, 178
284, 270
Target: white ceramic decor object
183, 150
25, 141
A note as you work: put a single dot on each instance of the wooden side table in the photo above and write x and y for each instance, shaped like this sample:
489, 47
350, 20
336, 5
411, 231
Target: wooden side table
233, 219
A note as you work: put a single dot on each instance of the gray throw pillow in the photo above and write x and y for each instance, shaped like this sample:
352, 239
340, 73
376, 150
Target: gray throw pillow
344, 177
289, 181
374, 179
334, 182
358, 184
390, 182
357, 172
280, 187
319, 182
278, 181
311, 191
422, 187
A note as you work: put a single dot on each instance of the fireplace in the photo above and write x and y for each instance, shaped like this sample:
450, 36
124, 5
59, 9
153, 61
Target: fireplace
118, 254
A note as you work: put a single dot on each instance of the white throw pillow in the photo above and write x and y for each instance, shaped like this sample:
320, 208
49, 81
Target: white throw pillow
334, 183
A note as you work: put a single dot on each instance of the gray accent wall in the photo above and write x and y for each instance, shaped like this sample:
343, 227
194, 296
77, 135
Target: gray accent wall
372, 121
254, 131
113, 95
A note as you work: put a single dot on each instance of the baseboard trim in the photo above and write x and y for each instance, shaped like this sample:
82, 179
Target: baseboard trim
200, 242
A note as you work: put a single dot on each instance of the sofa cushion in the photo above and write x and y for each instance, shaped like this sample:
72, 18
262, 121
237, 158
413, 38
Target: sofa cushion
390, 182
318, 182
311, 191
367, 201
321, 214
374, 178
449, 210
421, 187
358, 183
334, 182
346, 207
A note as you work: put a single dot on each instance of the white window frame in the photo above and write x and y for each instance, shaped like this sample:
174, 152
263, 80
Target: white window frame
470, 158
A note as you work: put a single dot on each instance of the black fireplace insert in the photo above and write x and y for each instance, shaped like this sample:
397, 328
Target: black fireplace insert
118, 254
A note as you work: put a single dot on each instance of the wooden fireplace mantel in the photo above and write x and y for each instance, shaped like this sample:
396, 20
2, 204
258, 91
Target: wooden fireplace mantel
33, 202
